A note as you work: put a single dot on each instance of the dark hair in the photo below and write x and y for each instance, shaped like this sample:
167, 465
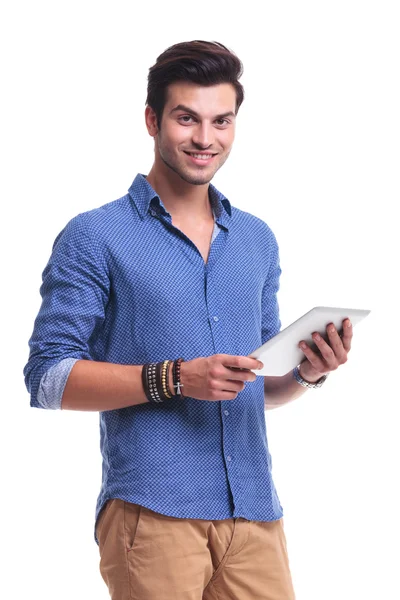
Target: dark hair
205, 63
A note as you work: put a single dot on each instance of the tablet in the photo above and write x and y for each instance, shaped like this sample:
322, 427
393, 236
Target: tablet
281, 353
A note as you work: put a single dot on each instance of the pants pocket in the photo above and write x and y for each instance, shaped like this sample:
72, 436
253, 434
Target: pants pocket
132, 513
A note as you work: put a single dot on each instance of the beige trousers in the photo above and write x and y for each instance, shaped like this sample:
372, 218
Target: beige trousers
148, 556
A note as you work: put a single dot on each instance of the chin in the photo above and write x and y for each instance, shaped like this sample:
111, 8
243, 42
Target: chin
188, 175
196, 180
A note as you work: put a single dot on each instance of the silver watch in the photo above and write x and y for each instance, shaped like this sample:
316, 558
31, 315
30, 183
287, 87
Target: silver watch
304, 383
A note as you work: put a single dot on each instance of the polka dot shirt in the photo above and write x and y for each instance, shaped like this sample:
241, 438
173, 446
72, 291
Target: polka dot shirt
123, 285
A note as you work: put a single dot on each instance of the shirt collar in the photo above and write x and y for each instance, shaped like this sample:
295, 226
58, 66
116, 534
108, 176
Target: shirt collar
144, 197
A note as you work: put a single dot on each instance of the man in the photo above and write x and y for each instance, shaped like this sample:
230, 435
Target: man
151, 306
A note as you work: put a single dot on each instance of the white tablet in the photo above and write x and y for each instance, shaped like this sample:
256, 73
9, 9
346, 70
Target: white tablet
281, 353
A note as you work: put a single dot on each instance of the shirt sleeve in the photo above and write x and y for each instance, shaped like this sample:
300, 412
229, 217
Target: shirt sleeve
75, 291
271, 323
52, 384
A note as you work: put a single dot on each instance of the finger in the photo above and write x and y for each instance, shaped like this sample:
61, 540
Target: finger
336, 344
220, 383
239, 374
241, 362
225, 395
230, 385
327, 352
315, 360
347, 334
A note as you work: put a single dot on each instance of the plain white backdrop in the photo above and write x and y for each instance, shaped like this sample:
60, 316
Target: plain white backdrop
317, 157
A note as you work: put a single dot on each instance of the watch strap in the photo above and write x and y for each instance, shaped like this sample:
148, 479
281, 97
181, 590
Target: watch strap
308, 384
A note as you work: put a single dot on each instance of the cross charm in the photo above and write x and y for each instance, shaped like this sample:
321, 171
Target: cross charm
178, 388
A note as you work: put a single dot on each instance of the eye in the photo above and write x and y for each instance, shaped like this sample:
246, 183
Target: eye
184, 118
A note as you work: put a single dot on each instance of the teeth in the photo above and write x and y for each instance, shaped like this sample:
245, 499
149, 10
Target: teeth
202, 156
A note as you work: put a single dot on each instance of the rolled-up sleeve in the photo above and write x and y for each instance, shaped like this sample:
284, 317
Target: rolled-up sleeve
52, 384
75, 291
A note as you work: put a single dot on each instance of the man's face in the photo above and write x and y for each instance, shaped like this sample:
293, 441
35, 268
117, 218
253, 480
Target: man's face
196, 120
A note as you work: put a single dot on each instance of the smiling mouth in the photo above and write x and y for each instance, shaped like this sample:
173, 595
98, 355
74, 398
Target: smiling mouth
200, 156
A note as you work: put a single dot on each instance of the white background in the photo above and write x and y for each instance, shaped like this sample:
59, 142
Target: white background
317, 157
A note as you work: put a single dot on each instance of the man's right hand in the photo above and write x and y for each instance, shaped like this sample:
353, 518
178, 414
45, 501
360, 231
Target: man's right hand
217, 377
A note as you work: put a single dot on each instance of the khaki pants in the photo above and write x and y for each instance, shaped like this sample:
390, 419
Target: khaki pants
149, 556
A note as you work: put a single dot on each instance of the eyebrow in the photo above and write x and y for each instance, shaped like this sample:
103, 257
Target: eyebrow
195, 114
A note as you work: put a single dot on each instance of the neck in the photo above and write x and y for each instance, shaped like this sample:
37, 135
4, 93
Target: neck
178, 195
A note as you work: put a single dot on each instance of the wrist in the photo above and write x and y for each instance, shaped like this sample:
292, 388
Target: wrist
312, 381
309, 375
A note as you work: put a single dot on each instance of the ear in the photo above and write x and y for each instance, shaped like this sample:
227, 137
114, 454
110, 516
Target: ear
151, 121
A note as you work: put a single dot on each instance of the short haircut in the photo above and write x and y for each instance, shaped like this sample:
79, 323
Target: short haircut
204, 63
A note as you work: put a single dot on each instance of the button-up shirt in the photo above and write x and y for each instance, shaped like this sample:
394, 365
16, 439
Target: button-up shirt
124, 285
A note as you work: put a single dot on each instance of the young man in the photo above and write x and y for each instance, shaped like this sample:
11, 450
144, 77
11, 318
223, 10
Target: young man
187, 508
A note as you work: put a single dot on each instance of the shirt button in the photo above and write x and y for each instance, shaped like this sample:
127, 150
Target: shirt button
215, 319
229, 458
226, 412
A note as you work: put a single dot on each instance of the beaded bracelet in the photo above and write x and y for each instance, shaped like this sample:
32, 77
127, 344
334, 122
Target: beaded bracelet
162, 388
176, 377
164, 378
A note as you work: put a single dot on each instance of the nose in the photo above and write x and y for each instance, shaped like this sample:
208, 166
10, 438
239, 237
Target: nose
203, 135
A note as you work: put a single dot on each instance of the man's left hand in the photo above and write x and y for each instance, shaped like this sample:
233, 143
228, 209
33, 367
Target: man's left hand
331, 354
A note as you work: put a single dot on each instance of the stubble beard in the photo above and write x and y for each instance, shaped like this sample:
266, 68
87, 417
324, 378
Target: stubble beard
186, 175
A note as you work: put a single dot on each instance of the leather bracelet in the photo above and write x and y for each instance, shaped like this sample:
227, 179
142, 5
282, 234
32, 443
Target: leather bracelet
155, 381
308, 384
145, 382
149, 380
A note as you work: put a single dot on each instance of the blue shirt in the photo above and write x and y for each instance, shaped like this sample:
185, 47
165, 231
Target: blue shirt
123, 285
